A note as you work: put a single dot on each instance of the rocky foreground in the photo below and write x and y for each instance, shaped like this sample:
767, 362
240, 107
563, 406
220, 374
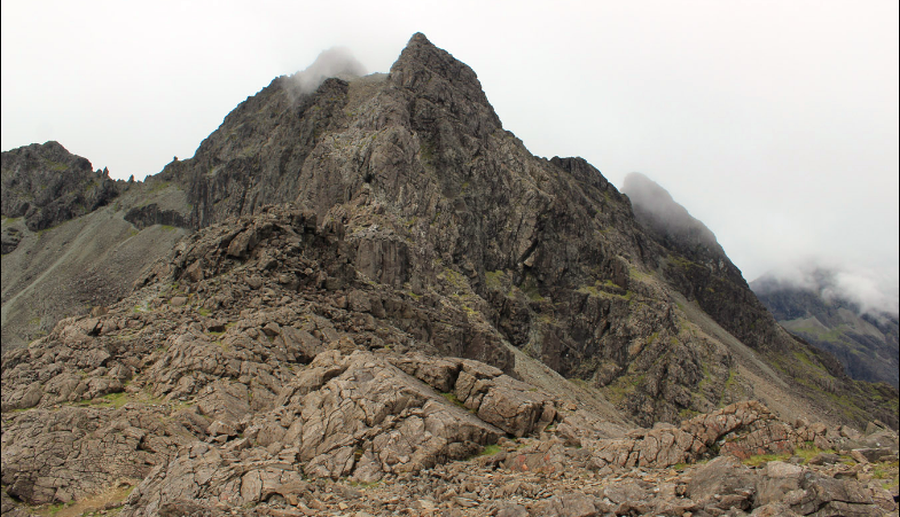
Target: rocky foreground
263, 466
255, 371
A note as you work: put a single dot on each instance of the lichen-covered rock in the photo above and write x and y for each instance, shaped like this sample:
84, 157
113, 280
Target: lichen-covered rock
61, 455
725, 483
742, 430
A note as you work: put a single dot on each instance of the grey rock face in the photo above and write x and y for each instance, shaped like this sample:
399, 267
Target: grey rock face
10, 239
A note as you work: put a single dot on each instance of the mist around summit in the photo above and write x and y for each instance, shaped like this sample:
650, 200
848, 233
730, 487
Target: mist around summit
872, 291
334, 62
852, 314
656, 209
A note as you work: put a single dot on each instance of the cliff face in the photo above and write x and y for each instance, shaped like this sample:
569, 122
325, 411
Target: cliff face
433, 190
698, 267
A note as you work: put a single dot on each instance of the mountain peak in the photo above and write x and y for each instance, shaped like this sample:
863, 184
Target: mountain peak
375, 279
436, 76
48, 185
419, 39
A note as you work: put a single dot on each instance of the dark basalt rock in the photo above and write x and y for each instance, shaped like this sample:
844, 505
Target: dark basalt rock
148, 215
10, 239
47, 185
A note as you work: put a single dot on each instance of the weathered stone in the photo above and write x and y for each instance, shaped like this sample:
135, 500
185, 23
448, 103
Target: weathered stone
824, 496
723, 475
569, 505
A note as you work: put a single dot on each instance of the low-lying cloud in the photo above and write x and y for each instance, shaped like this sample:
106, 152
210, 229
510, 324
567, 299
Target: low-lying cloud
874, 292
655, 207
334, 62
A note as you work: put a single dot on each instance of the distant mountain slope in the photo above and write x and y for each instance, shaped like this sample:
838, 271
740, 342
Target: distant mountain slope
866, 343
71, 239
698, 267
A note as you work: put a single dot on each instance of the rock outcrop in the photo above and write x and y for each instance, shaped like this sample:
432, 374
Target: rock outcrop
47, 185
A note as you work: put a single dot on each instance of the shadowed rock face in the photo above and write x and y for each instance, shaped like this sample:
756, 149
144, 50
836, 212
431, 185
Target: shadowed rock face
377, 269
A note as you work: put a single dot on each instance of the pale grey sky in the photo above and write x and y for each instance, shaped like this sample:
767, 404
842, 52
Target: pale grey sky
773, 122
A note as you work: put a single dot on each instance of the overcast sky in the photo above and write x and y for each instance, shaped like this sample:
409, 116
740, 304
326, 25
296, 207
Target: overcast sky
775, 123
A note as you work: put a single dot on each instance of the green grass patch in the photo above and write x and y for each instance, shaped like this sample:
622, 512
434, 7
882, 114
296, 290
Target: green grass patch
597, 290
494, 279
589, 290
110, 400
115, 400
364, 485
687, 413
887, 473
159, 185
761, 459
51, 509
622, 388
531, 289
636, 274
806, 453
455, 401
729, 382
810, 452
682, 262
490, 450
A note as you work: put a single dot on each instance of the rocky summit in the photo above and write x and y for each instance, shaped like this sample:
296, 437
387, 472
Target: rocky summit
366, 297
